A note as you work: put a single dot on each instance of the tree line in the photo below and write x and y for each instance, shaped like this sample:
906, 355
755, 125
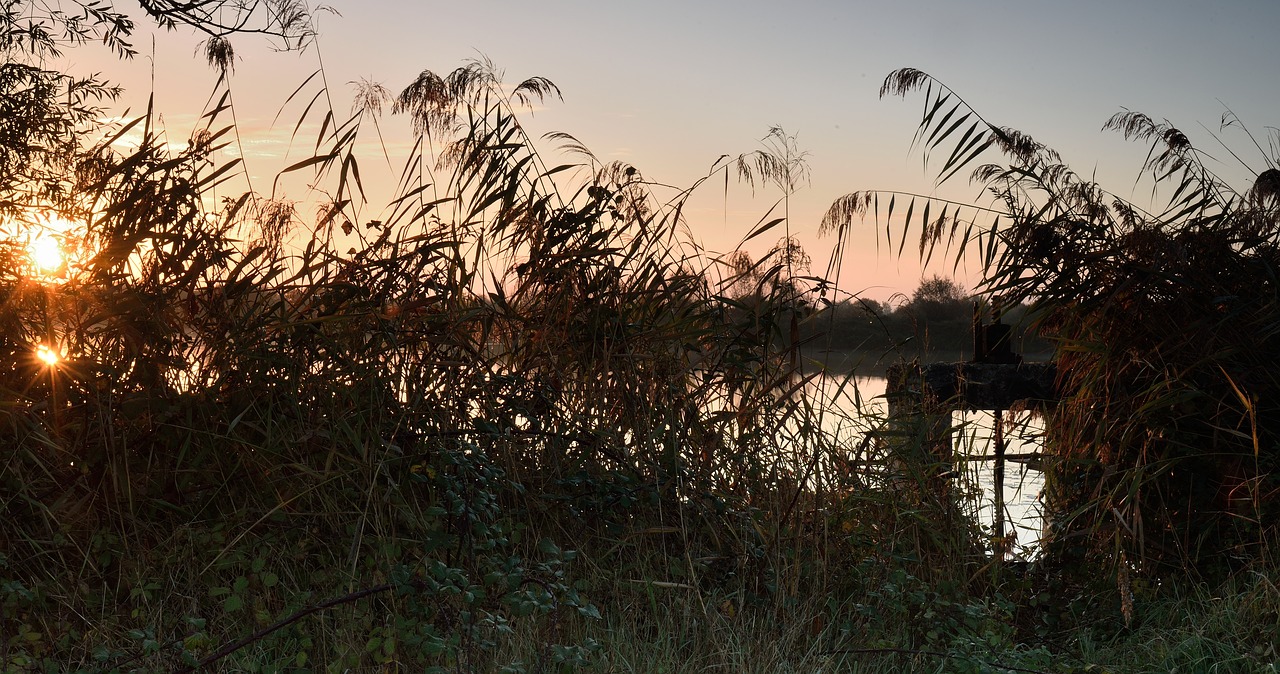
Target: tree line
934, 322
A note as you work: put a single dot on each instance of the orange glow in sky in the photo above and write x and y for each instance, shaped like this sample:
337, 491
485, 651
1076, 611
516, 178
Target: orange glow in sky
669, 86
51, 245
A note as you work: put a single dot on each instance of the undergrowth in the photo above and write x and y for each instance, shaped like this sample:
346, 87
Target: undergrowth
516, 422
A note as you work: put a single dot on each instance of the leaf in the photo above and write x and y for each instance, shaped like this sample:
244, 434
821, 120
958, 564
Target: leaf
931, 110
302, 86
906, 226
962, 146
761, 229
206, 183
349, 165
985, 141
924, 230
989, 258
223, 104
934, 138
558, 169
303, 118
324, 128
310, 161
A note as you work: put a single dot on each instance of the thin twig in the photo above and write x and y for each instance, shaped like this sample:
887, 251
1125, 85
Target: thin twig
236, 645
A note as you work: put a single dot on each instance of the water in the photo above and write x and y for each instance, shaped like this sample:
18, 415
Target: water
972, 435
1023, 512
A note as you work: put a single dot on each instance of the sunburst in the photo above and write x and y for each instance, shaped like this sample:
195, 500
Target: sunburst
47, 355
51, 247
45, 252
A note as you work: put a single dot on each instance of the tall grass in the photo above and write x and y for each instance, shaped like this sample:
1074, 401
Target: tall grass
516, 421
400, 440
1162, 318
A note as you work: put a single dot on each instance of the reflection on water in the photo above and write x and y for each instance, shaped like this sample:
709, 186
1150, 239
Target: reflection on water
973, 446
1022, 507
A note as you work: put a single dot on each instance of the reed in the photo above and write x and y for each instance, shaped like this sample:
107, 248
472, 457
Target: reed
1160, 316
515, 421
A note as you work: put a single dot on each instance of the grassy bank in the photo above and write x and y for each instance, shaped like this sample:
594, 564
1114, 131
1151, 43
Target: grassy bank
635, 609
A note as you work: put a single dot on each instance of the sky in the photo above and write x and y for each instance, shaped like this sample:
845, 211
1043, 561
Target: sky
670, 86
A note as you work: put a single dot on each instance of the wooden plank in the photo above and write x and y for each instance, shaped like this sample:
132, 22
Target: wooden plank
973, 386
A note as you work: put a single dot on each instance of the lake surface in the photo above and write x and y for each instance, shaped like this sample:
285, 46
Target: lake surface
972, 435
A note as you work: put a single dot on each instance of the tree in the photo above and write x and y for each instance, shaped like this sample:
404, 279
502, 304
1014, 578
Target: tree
49, 27
938, 290
48, 115
939, 299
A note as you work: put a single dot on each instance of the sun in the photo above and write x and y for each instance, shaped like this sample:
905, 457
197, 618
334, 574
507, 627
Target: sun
51, 246
47, 355
45, 252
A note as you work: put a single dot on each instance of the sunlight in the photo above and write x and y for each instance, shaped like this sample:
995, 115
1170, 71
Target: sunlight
46, 253
47, 355
51, 246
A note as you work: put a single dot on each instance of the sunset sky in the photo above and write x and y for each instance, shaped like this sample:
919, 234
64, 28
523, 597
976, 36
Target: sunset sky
670, 86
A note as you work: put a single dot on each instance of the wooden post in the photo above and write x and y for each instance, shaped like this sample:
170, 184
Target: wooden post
997, 486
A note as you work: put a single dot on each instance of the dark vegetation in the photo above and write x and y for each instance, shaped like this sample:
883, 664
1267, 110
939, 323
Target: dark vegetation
1162, 318
519, 423
934, 324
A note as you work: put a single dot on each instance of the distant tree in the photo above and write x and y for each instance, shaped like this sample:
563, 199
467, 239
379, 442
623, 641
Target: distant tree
744, 275
938, 289
939, 299
777, 272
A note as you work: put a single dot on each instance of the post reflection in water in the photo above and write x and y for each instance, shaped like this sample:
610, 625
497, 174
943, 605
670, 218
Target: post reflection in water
973, 450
